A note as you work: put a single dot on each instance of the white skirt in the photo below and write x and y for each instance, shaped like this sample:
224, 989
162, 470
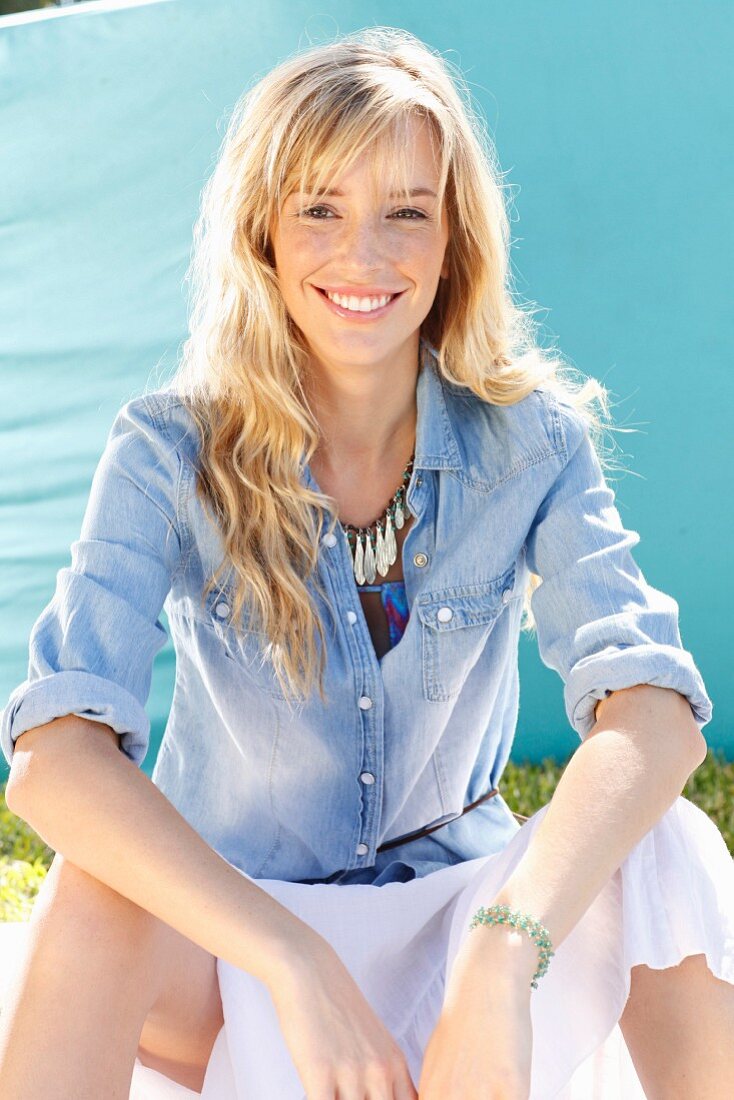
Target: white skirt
673, 896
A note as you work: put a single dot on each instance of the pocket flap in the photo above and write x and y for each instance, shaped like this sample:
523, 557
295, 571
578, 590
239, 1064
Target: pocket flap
466, 605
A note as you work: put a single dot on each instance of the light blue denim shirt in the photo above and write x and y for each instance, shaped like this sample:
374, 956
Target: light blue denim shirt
308, 793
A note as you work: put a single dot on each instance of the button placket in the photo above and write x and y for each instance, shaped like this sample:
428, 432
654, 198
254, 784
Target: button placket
364, 660
367, 778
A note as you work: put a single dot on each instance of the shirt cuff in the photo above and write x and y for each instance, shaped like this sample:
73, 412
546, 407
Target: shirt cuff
595, 677
81, 693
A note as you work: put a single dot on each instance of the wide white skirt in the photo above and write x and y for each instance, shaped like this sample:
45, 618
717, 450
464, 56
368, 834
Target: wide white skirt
673, 896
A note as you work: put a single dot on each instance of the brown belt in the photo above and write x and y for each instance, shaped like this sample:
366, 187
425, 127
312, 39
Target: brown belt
432, 828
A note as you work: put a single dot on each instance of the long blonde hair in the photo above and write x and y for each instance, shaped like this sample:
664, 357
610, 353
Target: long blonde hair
244, 360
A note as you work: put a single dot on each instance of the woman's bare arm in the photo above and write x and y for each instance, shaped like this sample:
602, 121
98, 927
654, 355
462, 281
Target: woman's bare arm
626, 774
89, 802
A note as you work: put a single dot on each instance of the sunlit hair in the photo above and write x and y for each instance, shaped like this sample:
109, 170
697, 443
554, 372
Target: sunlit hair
244, 362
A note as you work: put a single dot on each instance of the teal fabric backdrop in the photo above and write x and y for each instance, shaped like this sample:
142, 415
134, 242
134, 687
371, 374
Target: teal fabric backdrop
612, 122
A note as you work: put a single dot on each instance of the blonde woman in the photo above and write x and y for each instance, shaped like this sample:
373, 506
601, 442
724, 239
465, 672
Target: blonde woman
362, 482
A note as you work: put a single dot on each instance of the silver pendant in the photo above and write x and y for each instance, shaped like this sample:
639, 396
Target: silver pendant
391, 545
399, 516
369, 561
359, 562
381, 557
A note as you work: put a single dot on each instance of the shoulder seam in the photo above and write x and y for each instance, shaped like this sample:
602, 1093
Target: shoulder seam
550, 402
153, 405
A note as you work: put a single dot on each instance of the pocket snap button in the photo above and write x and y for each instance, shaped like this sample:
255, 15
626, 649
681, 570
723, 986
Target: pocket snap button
420, 559
222, 610
444, 614
506, 595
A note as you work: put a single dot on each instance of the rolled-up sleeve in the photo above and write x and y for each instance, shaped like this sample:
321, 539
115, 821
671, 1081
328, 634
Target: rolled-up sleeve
91, 650
599, 624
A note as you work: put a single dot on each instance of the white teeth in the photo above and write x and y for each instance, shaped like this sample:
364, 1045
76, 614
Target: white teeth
359, 305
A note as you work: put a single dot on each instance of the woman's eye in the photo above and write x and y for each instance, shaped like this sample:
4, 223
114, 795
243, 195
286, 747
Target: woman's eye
312, 212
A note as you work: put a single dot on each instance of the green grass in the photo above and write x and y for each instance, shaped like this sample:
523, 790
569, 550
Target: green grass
25, 858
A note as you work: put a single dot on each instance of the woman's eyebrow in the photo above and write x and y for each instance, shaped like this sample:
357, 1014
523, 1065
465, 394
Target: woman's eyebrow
414, 192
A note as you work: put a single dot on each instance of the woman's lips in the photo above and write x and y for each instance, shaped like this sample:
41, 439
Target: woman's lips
354, 315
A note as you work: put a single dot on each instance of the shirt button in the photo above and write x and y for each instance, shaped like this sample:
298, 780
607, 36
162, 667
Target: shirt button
351, 617
367, 777
362, 849
506, 595
329, 540
365, 702
444, 614
222, 610
420, 559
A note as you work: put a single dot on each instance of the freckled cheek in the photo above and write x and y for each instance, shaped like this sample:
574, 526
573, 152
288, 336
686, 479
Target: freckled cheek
426, 258
307, 257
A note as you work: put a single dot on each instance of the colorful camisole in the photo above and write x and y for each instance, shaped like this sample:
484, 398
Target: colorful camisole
395, 605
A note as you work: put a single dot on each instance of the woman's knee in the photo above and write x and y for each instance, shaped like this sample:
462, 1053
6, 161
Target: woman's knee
85, 916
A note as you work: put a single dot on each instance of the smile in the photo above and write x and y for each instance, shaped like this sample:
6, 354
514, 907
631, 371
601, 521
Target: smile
358, 309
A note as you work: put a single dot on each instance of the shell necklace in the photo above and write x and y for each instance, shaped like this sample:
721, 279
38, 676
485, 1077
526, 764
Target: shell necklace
374, 551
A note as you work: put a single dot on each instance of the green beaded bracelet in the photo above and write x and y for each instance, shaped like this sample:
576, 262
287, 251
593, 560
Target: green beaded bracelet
502, 914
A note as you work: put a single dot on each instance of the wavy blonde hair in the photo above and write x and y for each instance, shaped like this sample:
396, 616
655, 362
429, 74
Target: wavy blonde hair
244, 360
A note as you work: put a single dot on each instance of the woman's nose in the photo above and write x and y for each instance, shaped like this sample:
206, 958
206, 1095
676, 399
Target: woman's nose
362, 240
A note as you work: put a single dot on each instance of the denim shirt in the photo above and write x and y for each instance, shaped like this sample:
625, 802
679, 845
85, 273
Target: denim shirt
309, 792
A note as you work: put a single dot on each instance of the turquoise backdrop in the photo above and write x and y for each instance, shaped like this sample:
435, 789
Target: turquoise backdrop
613, 123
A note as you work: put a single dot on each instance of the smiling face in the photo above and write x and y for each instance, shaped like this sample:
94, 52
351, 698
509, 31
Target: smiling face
359, 266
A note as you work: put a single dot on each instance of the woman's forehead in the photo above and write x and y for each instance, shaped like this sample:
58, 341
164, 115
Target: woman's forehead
401, 172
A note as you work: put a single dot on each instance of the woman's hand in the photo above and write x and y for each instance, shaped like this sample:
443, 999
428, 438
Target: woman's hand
339, 1046
482, 1044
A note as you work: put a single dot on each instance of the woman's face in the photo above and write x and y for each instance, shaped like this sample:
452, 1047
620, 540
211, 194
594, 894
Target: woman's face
364, 247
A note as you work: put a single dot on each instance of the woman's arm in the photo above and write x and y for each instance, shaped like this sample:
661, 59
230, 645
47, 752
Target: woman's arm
620, 781
628, 771
88, 801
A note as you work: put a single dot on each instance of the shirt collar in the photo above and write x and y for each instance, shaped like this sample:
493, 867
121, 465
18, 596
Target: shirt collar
435, 444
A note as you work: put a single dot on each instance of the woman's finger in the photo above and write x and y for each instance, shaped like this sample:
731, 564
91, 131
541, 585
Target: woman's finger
404, 1089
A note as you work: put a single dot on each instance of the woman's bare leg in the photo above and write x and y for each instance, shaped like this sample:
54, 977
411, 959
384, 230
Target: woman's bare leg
678, 1025
102, 981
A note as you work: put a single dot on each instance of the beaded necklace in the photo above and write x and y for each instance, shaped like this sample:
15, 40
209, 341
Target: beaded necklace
375, 551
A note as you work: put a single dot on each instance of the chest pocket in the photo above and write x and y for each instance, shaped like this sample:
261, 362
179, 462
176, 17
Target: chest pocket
455, 625
249, 649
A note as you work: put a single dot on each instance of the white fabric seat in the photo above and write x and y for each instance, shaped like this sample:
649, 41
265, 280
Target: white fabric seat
673, 896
